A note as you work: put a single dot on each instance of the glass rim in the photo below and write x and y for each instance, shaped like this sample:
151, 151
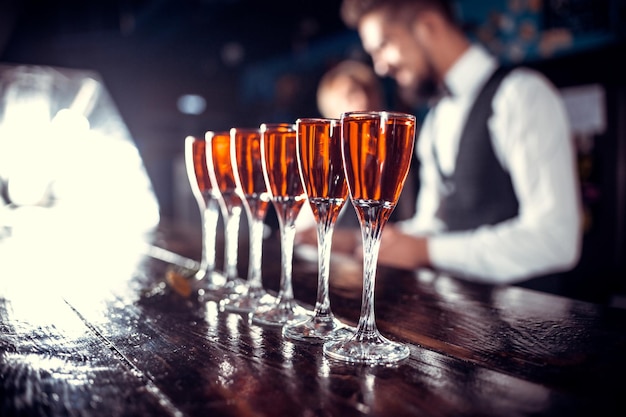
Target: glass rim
245, 130
265, 126
377, 114
194, 138
317, 119
211, 133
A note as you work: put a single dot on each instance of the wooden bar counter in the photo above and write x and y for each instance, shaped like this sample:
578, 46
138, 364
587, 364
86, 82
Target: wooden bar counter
125, 342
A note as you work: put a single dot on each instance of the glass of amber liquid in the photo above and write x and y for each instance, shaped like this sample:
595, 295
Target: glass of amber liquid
280, 170
208, 203
245, 152
230, 198
377, 148
323, 178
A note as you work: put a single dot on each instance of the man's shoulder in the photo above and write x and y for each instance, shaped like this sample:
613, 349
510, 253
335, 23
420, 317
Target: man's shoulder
526, 95
522, 86
522, 78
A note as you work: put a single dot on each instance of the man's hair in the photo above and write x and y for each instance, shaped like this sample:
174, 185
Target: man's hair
361, 74
353, 10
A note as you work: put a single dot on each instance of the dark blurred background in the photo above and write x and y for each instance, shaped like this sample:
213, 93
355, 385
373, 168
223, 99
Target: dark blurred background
235, 54
181, 67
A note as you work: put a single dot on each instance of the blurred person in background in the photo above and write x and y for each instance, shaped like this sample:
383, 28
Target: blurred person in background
350, 85
498, 200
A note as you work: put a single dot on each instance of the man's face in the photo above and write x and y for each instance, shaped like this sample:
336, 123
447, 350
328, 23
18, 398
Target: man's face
396, 52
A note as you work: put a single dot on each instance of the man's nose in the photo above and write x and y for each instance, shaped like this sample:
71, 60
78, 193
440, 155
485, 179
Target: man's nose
381, 67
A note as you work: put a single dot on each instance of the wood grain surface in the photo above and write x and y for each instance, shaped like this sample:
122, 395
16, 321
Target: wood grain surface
134, 345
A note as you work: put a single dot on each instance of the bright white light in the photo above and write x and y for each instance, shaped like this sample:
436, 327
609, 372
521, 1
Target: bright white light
81, 203
70, 122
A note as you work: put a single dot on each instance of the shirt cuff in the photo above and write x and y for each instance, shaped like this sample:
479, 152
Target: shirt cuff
448, 252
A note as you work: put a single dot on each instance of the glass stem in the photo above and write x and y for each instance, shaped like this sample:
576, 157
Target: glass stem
324, 237
371, 230
288, 235
210, 218
256, 250
232, 241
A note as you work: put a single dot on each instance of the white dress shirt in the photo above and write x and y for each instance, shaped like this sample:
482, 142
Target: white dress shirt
531, 139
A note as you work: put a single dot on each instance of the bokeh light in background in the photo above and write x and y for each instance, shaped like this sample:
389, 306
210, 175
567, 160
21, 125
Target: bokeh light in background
193, 104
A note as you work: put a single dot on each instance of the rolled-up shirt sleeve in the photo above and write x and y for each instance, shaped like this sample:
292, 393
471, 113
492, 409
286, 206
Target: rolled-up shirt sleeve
532, 140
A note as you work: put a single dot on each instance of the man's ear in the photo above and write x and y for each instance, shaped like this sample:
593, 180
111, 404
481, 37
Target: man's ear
427, 26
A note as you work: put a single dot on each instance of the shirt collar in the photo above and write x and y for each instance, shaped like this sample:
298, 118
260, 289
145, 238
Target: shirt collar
470, 71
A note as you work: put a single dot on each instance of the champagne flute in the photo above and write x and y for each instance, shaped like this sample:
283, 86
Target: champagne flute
323, 177
230, 198
207, 200
245, 152
280, 169
376, 149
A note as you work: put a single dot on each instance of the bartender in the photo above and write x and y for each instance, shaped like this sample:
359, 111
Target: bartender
499, 197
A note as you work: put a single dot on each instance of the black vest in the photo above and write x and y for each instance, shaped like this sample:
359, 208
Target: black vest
479, 191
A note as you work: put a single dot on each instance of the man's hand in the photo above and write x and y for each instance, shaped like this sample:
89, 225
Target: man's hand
403, 251
397, 249
345, 241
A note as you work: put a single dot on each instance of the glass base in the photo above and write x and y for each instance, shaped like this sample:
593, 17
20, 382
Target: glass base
280, 313
207, 282
317, 330
201, 274
217, 287
231, 288
375, 350
248, 301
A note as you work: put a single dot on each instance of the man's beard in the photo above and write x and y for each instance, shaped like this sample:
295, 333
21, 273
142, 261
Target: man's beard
426, 92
